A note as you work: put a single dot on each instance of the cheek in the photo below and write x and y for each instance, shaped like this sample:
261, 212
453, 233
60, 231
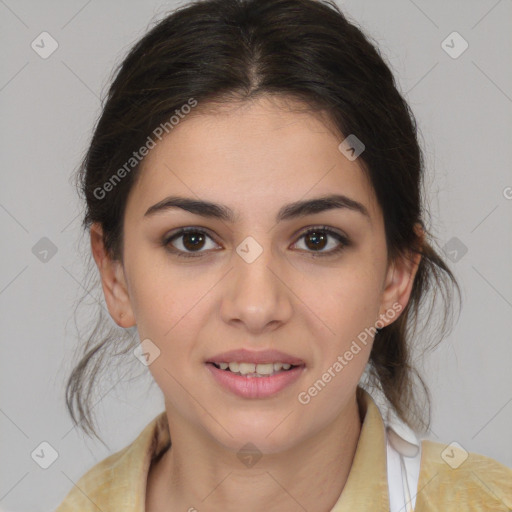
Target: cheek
170, 307
348, 301
165, 297
350, 307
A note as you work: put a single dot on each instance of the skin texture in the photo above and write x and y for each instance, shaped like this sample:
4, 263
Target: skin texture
254, 158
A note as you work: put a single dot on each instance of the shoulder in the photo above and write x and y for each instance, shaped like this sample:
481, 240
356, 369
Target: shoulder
467, 481
93, 486
118, 481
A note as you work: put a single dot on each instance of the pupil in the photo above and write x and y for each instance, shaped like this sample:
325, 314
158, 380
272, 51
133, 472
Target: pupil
318, 239
195, 238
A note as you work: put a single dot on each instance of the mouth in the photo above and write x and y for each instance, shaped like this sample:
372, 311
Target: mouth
252, 370
255, 374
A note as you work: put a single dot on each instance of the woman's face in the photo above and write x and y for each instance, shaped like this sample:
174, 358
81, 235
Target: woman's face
254, 280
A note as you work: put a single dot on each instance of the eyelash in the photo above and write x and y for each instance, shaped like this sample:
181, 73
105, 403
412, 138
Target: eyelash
345, 242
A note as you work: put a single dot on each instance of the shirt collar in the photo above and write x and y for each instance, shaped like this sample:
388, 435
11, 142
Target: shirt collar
126, 475
366, 488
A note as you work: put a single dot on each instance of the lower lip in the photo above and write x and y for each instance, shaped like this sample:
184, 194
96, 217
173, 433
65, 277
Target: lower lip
255, 387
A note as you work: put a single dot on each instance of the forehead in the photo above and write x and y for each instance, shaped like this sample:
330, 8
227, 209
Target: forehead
249, 156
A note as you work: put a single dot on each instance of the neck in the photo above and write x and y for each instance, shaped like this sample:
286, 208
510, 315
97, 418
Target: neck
197, 473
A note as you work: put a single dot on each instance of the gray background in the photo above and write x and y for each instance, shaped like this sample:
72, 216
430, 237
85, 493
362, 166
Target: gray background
49, 106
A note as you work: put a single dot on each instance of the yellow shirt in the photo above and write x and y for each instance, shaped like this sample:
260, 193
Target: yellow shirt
118, 483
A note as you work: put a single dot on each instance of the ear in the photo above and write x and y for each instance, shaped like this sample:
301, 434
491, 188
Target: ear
113, 280
399, 281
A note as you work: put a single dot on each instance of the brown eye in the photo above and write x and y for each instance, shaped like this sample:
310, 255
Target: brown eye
188, 241
317, 239
193, 241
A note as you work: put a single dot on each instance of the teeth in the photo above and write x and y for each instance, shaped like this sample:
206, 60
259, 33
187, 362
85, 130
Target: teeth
243, 368
257, 370
265, 369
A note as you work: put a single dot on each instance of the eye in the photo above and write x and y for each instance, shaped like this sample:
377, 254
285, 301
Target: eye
188, 240
317, 238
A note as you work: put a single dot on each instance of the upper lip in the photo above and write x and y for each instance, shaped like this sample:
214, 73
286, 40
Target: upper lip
256, 357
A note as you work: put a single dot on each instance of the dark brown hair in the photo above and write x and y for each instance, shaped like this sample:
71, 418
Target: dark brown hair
226, 51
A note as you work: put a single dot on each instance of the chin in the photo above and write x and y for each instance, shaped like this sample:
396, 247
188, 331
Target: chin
272, 435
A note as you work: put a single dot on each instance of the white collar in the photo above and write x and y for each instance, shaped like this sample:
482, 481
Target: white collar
403, 463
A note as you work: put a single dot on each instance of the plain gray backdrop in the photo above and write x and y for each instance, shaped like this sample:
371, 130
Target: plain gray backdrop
463, 104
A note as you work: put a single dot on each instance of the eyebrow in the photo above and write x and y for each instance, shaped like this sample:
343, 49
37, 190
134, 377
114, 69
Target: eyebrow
287, 212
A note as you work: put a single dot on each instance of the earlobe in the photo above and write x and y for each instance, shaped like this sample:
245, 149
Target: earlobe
400, 280
113, 281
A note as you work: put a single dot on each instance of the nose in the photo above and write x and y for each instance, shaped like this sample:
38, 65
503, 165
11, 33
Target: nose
257, 296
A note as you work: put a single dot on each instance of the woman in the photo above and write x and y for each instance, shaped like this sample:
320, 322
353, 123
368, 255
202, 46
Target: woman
253, 200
